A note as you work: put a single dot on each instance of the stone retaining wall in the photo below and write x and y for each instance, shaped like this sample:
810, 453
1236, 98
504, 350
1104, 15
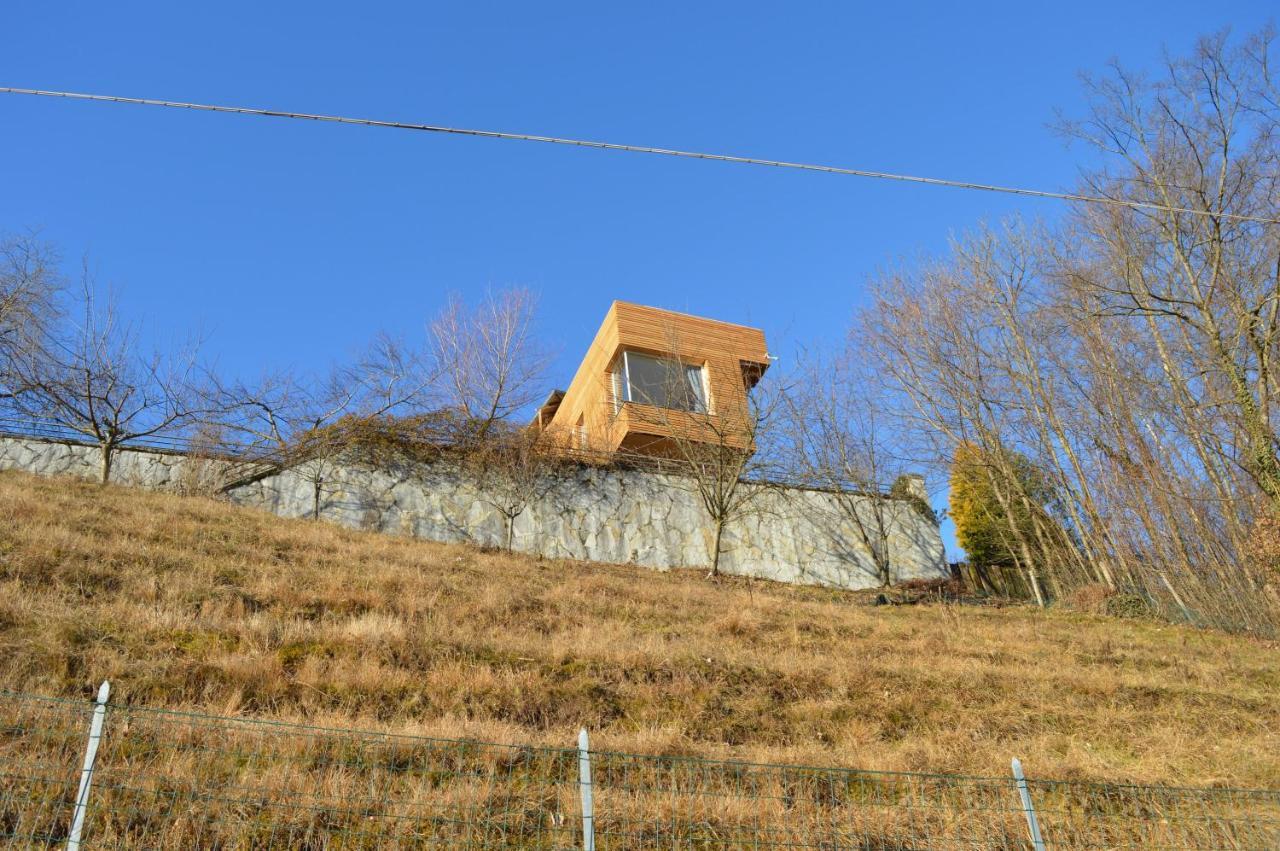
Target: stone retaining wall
593, 514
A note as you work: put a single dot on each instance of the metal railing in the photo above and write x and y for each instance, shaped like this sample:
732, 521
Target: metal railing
168, 779
52, 430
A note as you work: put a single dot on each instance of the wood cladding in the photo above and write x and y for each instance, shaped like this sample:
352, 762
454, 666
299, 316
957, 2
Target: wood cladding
589, 418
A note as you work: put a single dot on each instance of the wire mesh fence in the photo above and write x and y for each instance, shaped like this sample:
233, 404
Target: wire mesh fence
1094, 815
41, 744
165, 779
179, 780
259, 457
656, 802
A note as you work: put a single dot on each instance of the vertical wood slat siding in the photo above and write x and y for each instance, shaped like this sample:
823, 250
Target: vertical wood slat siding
722, 347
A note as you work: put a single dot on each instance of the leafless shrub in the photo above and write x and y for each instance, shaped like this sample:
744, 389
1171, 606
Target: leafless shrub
307, 425
208, 464
1091, 598
512, 469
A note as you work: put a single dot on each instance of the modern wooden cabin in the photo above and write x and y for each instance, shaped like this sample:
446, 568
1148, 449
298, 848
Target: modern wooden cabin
654, 380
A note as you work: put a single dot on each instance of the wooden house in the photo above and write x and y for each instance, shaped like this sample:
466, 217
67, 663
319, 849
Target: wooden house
653, 379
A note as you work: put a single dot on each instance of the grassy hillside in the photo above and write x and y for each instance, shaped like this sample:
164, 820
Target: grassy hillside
187, 602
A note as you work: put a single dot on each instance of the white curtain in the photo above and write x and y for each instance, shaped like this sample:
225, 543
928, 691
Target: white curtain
697, 388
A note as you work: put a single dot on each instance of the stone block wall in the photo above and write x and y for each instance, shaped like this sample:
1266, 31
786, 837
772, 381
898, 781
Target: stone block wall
594, 514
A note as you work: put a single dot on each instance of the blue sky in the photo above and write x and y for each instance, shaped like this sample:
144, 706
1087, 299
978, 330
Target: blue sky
291, 243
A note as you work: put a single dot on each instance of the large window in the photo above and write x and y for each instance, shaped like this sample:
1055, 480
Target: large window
662, 382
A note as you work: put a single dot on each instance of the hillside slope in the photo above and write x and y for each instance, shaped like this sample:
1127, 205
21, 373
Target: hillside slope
187, 602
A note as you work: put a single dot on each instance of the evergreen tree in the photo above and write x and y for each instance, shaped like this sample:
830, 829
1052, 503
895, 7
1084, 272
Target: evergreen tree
987, 531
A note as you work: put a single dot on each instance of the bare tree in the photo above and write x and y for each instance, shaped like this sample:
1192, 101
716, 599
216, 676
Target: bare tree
481, 367
93, 378
30, 286
513, 468
307, 425
490, 361
721, 451
1203, 136
839, 440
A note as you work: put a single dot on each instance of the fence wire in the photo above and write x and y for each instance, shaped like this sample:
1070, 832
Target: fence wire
657, 802
169, 780
1095, 815
42, 743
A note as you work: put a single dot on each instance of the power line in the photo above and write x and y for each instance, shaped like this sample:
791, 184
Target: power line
645, 149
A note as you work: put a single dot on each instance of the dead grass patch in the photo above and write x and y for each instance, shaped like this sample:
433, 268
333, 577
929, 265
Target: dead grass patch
185, 602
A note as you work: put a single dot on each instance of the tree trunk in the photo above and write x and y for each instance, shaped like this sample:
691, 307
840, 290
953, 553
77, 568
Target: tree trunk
511, 532
316, 486
1016, 532
1177, 598
1260, 440
1035, 586
108, 458
715, 550
881, 557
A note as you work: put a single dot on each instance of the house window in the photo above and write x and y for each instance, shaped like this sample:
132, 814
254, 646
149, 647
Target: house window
661, 382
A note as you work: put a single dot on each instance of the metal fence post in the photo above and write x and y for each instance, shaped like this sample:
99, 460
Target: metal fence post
1037, 841
584, 786
86, 773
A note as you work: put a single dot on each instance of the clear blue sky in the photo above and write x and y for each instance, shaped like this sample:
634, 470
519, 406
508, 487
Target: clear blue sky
291, 243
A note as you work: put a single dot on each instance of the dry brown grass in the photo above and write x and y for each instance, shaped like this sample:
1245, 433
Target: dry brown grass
187, 602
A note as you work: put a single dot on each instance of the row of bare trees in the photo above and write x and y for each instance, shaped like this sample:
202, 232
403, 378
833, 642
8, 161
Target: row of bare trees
68, 358
1128, 355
